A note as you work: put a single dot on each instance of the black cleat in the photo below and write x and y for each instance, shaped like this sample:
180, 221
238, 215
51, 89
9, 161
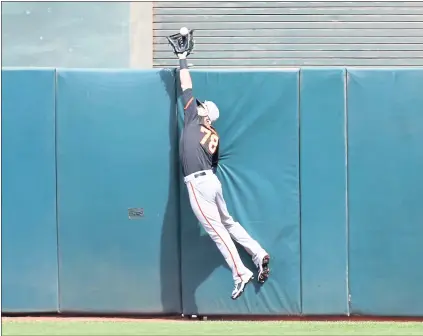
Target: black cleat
264, 270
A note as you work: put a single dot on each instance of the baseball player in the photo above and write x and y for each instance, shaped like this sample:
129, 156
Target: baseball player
199, 155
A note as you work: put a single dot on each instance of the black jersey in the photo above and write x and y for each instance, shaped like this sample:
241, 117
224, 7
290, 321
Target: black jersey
199, 143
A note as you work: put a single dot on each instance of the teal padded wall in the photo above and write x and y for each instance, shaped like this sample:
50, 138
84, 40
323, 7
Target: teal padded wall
282, 132
259, 171
385, 147
29, 231
323, 192
117, 149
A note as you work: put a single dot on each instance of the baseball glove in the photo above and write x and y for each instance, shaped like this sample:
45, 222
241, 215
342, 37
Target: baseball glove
181, 43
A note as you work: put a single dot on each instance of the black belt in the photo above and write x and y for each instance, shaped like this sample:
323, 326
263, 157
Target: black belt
199, 174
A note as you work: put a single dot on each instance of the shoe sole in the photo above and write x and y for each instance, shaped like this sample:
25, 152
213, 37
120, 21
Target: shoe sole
264, 274
242, 291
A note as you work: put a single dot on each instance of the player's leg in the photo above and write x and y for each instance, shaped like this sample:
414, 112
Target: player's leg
202, 198
260, 257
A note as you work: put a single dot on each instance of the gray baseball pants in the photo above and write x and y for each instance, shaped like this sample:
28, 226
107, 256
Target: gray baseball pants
209, 206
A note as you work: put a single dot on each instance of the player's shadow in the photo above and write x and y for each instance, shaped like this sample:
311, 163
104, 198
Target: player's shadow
182, 237
181, 240
169, 245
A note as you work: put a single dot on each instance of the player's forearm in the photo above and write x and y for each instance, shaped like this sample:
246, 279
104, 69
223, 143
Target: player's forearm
184, 75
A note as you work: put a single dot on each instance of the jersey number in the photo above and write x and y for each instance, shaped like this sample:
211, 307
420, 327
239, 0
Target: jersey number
214, 139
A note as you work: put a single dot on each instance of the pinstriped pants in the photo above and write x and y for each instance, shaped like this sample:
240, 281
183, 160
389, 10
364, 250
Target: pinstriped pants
209, 206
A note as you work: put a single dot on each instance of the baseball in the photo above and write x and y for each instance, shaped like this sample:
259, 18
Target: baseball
184, 31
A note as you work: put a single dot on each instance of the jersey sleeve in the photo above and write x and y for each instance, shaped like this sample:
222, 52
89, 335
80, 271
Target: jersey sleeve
190, 106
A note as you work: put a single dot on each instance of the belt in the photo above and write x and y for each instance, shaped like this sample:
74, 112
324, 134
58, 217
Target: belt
196, 175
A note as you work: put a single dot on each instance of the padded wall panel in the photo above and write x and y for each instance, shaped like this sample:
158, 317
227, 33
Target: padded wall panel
323, 192
385, 146
117, 150
259, 171
29, 231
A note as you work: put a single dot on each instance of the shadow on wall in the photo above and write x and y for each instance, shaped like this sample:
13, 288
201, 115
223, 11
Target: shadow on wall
199, 255
170, 283
196, 267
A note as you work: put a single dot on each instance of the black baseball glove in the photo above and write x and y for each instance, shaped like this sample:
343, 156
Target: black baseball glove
182, 44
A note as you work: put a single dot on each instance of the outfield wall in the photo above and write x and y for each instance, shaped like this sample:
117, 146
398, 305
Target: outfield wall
324, 166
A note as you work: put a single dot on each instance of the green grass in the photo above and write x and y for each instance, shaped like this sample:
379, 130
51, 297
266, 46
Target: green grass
60, 327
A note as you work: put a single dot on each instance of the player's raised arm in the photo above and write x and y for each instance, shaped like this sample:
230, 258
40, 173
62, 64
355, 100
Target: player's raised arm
182, 44
188, 100
184, 75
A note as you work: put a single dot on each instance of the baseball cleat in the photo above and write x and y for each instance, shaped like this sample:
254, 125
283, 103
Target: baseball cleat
240, 286
264, 270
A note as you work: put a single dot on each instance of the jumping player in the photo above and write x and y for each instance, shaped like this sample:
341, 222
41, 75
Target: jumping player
199, 155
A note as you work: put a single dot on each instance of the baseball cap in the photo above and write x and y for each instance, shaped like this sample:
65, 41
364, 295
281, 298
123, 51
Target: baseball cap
210, 109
